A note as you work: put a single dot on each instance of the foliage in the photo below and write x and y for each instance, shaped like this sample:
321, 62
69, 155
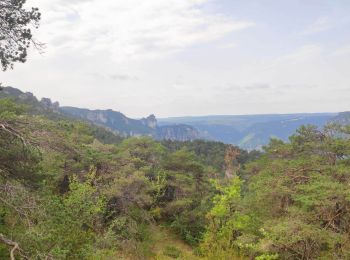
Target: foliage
18, 156
67, 226
295, 203
66, 194
211, 153
93, 198
15, 31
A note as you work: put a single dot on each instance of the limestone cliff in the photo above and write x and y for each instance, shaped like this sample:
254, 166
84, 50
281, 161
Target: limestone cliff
179, 132
113, 120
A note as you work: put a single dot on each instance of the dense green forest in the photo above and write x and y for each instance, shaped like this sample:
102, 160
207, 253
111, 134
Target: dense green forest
70, 190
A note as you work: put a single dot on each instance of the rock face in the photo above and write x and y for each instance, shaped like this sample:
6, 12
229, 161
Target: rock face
118, 122
342, 118
177, 133
150, 121
28, 96
34, 106
48, 104
113, 120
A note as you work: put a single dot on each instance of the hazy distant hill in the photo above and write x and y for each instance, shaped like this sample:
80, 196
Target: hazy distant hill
134, 127
112, 120
342, 118
247, 131
250, 131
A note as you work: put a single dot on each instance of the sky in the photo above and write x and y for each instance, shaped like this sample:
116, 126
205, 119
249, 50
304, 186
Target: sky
191, 57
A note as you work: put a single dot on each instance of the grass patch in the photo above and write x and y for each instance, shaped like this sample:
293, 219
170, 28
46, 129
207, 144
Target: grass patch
172, 252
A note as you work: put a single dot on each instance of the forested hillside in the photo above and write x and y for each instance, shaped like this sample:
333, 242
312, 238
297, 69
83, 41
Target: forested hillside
96, 185
65, 194
70, 192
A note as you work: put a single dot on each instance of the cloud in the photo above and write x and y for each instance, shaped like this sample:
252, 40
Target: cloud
122, 77
303, 54
320, 25
228, 45
342, 51
112, 76
258, 86
133, 29
300, 55
185, 57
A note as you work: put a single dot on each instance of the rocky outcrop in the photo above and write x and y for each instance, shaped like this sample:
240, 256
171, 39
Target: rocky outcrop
27, 96
148, 126
48, 104
112, 120
98, 117
150, 121
177, 133
34, 106
342, 118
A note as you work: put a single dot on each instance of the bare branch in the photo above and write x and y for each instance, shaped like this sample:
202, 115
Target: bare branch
15, 247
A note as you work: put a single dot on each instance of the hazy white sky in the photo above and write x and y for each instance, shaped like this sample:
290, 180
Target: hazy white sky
191, 57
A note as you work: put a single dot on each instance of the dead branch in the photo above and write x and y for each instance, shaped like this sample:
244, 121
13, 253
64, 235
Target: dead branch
330, 222
15, 247
10, 130
19, 200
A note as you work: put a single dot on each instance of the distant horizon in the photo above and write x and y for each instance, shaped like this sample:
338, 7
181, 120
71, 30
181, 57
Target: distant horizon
269, 114
180, 116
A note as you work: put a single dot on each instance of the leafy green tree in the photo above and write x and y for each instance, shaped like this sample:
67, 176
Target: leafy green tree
295, 204
187, 196
224, 222
67, 226
211, 153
